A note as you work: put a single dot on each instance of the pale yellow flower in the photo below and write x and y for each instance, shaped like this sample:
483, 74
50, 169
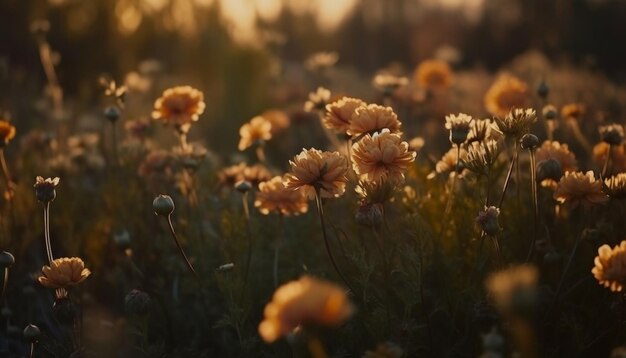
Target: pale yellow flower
303, 302
257, 130
314, 169
610, 267
64, 272
578, 188
339, 113
273, 196
373, 118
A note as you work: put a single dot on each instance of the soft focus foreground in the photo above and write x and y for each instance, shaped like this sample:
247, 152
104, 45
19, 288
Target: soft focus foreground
229, 178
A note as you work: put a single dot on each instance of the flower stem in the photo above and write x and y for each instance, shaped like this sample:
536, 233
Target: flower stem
496, 246
4, 283
533, 185
246, 211
260, 153
32, 349
279, 241
316, 348
508, 176
605, 167
116, 160
182, 252
320, 211
46, 224
6, 173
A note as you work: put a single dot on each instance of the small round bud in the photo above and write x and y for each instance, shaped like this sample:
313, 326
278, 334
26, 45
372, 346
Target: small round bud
45, 189
243, 186
488, 220
137, 303
552, 257
549, 169
458, 136
612, 134
543, 90
163, 205
529, 141
6, 259
31, 333
112, 113
122, 240
549, 112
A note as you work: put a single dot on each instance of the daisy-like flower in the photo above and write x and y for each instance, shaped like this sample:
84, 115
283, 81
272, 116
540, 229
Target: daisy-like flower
257, 130
434, 75
618, 156
317, 100
339, 113
321, 61
448, 161
459, 127
307, 301
382, 157
506, 93
572, 111
610, 267
255, 174
274, 197
388, 83
481, 130
504, 285
373, 118
481, 156
615, 186
612, 134
7, 132
45, 189
517, 122
179, 106
553, 159
64, 272
578, 188
314, 169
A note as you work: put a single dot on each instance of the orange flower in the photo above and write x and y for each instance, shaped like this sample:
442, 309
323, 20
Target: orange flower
304, 302
578, 188
618, 157
279, 120
257, 130
434, 74
572, 110
274, 197
313, 169
64, 272
615, 186
506, 93
610, 267
382, 157
339, 113
7, 132
373, 118
553, 159
179, 106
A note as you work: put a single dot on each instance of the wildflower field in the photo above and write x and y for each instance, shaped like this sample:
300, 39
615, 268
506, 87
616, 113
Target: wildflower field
286, 178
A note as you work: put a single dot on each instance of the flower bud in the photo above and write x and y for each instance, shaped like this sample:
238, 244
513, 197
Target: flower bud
549, 112
243, 186
112, 113
137, 303
612, 134
163, 205
45, 189
529, 141
32, 333
543, 90
549, 169
493, 341
6, 259
122, 240
488, 220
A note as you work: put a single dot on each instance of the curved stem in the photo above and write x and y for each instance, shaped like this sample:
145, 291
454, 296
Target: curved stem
533, 184
508, 177
605, 167
496, 246
5, 170
320, 212
32, 349
182, 252
46, 224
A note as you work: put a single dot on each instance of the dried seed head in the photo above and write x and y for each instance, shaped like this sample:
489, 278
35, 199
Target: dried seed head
529, 141
163, 205
488, 220
6, 259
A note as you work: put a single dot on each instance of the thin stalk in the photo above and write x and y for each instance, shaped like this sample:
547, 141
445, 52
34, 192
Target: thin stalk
5, 171
605, 167
4, 283
563, 276
246, 211
508, 176
46, 224
260, 153
496, 246
32, 349
320, 212
279, 241
316, 348
533, 185
182, 252
114, 139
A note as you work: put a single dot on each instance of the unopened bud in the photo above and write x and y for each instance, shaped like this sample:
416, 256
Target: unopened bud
163, 205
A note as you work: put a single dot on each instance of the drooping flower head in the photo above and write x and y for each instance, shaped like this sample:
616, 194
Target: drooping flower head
373, 118
506, 93
179, 106
257, 130
307, 301
339, 113
273, 196
7, 132
610, 267
314, 169
578, 188
382, 157
434, 75
64, 272
459, 127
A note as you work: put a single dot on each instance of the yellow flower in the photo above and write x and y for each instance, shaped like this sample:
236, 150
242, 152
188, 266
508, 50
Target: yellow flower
448, 161
339, 113
179, 106
274, 197
304, 302
434, 74
373, 118
7, 132
279, 120
615, 186
610, 267
64, 272
578, 188
506, 93
313, 169
258, 129
504, 285
618, 157
382, 157
572, 110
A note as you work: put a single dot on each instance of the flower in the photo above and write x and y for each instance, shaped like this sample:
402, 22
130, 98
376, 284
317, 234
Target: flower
610, 267
321, 60
382, 157
274, 197
553, 159
459, 127
578, 188
388, 83
488, 220
618, 156
179, 106
279, 120
313, 170
254, 174
481, 156
339, 113
480, 130
7, 132
517, 122
434, 75
64, 272
612, 134
514, 282
416, 144
506, 93
572, 111
303, 302
257, 130
45, 189
317, 100
615, 186
138, 128
448, 161
373, 118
